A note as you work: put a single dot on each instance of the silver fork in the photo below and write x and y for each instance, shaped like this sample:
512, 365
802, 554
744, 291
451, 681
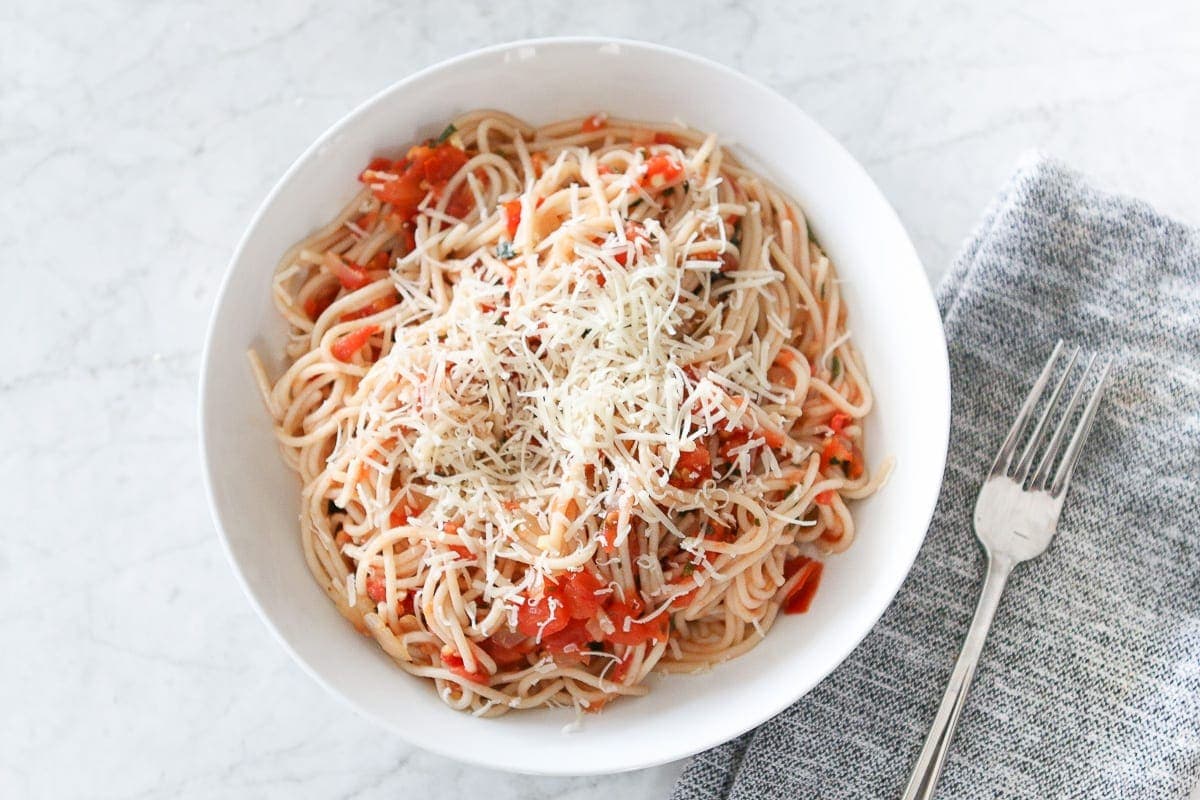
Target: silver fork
1015, 518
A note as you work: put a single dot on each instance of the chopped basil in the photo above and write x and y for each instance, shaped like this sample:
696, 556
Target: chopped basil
505, 250
835, 368
447, 133
689, 568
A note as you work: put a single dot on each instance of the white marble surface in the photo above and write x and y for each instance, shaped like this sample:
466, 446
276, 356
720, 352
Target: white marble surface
135, 141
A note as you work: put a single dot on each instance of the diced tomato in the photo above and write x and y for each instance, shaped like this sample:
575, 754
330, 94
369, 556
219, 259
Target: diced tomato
400, 515
376, 589
442, 162
454, 662
603, 169
370, 309
461, 203
729, 262
539, 162
661, 171
634, 234
573, 638
318, 301
693, 468
350, 275
512, 216
628, 631
379, 261
405, 184
594, 123
800, 597
580, 592
839, 451
717, 533
345, 347
834, 533
774, 440
824, 498
403, 192
609, 532
786, 357
377, 165
544, 615
730, 440
621, 668
839, 421
507, 648
684, 600
462, 551
632, 598
661, 137
367, 221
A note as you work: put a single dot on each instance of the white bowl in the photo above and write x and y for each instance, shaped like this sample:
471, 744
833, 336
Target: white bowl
892, 314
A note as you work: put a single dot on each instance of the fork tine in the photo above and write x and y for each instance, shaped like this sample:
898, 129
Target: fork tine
1004, 457
1063, 477
1039, 433
1042, 474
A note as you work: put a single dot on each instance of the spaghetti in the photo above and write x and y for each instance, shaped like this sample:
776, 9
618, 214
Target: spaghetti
569, 404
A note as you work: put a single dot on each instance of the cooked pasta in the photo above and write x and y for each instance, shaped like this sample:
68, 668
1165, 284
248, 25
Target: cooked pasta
569, 404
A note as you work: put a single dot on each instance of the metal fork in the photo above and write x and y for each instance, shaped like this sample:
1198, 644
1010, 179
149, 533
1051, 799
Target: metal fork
1015, 518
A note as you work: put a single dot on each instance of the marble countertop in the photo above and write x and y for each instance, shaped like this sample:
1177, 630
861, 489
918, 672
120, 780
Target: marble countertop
135, 142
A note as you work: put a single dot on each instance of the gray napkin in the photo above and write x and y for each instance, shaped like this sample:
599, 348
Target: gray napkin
1089, 686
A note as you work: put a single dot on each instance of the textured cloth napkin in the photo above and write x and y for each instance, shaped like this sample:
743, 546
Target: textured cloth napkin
1089, 685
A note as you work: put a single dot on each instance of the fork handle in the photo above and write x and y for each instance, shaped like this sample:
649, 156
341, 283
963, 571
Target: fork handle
929, 765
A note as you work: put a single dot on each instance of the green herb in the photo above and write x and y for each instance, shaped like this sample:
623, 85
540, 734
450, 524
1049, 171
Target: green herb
689, 568
756, 520
835, 368
822, 291
505, 250
447, 133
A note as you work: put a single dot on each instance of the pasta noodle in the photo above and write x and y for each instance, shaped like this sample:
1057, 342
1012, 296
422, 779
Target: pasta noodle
569, 404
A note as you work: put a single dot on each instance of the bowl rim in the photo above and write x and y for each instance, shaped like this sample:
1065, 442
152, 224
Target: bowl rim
941, 369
